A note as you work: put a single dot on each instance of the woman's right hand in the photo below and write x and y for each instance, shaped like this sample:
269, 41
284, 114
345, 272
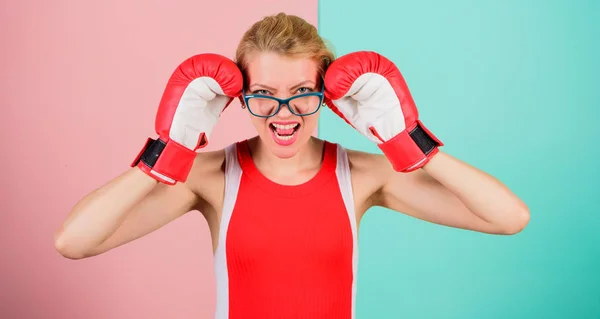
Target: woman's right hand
154, 191
198, 91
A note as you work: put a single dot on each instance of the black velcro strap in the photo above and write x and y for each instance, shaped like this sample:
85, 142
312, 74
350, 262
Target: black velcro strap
152, 152
423, 140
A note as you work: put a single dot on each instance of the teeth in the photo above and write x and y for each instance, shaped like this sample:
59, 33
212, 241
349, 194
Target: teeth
285, 127
284, 138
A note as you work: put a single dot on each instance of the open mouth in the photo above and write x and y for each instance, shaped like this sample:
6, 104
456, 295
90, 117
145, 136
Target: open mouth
284, 132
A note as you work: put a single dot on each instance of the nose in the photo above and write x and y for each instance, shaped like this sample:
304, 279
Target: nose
284, 111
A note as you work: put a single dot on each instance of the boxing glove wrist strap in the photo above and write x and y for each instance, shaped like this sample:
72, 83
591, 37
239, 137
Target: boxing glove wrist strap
167, 162
424, 141
412, 149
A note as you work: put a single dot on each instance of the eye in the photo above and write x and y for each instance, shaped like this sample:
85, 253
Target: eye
303, 90
261, 92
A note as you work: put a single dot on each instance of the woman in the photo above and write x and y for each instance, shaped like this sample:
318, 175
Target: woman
283, 207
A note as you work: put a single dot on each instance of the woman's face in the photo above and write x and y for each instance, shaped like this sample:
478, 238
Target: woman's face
282, 77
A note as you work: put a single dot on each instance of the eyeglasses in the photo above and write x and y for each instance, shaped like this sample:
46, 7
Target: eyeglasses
300, 105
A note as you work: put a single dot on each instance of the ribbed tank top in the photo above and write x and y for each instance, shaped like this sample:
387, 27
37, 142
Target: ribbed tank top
286, 251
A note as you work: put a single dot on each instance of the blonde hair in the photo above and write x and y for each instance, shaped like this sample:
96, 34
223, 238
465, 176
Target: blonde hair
287, 35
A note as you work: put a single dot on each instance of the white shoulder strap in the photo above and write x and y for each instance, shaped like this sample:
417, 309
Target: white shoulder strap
345, 181
233, 175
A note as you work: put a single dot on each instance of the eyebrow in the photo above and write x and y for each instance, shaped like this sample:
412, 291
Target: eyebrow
291, 88
302, 84
261, 85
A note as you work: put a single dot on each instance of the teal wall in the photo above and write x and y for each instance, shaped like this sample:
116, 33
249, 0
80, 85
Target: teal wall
513, 88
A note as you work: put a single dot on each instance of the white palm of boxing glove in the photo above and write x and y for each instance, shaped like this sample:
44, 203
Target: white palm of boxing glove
198, 112
368, 91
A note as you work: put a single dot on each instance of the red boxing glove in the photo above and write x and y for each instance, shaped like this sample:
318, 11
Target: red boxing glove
368, 91
196, 94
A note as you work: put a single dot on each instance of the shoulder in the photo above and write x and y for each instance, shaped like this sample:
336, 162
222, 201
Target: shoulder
370, 163
209, 162
377, 174
370, 172
207, 176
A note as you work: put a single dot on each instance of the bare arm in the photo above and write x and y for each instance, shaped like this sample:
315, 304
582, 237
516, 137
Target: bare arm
450, 192
126, 208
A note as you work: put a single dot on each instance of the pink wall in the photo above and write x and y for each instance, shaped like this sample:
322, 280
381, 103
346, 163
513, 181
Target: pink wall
80, 84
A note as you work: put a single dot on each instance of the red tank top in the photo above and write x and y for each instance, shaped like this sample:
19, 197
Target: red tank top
286, 251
